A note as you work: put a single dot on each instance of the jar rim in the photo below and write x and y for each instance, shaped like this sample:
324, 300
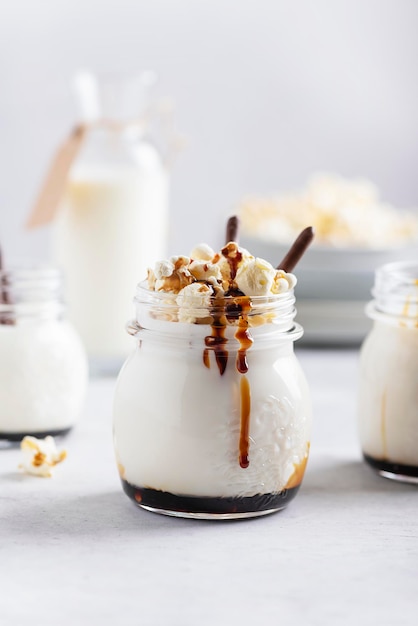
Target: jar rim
395, 293
164, 311
27, 285
404, 272
167, 296
31, 270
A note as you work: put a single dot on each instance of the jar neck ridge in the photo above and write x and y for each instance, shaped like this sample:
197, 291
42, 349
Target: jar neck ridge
395, 294
267, 318
30, 291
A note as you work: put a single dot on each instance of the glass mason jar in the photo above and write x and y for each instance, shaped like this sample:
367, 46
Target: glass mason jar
43, 366
114, 215
388, 394
212, 411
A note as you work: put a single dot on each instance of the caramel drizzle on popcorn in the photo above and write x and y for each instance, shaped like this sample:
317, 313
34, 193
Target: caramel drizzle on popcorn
234, 257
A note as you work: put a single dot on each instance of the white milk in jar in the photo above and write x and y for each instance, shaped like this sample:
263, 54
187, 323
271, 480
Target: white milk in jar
212, 411
388, 394
43, 365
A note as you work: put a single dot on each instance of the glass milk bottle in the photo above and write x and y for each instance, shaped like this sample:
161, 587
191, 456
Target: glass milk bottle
388, 394
43, 365
114, 214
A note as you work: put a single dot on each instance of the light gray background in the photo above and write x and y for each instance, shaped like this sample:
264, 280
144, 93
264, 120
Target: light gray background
266, 91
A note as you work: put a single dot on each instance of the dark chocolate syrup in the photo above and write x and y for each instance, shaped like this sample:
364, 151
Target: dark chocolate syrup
166, 501
390, 467
217, 340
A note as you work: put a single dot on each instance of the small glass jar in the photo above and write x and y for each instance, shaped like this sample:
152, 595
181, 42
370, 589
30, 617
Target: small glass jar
212, 411
113, 218
388, 393
43, 366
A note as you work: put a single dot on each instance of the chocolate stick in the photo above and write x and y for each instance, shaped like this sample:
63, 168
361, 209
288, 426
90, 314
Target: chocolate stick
297, 250
232, 228
4, 296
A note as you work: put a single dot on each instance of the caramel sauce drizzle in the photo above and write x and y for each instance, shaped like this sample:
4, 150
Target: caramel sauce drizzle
237, 309
244, 436
121, 470
206, 360
234, 258
297, 476
244, 337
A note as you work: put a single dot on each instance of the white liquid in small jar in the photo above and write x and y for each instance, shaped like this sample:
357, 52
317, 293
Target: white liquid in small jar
388, 393
43, 365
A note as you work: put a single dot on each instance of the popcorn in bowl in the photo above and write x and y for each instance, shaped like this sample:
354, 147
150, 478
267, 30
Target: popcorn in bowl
345, 213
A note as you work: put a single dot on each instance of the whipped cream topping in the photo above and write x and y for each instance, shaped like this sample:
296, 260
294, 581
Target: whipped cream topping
344, 213
40, 456
206, 274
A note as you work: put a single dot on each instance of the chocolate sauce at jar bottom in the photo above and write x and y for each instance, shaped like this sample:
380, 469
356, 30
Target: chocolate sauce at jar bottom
32, 433
392, 468
194, 504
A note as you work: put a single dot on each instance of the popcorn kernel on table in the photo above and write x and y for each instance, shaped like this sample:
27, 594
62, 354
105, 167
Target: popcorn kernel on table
40, 456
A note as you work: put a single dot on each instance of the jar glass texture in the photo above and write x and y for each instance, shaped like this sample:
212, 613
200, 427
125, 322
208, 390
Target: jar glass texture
43, 366
206, 422
388, 391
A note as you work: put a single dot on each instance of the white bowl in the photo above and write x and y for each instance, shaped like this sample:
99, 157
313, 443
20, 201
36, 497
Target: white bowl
333, 287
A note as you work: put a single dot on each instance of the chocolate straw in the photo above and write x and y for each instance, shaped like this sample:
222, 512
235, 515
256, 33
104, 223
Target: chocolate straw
232, 228
297, 250
4, 297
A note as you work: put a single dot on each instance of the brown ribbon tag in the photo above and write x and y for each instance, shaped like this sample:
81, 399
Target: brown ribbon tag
53, 187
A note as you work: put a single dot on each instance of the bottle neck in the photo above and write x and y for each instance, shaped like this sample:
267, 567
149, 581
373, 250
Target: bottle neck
118, 97
30, 292
395, 294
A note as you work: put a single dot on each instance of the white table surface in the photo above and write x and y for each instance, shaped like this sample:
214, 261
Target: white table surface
75, 550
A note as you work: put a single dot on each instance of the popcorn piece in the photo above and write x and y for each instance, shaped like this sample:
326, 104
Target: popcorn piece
194, 302
151, 279
163, 269
40, 456
198, 281
206, 271
229, 260
202, 252
283, 281
172, 275
255, 277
